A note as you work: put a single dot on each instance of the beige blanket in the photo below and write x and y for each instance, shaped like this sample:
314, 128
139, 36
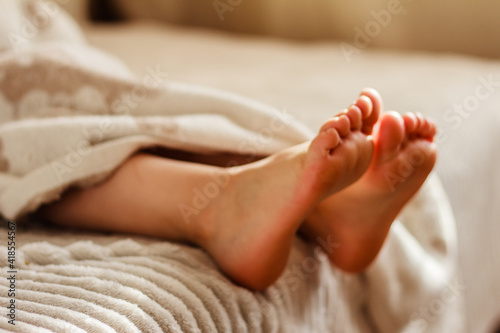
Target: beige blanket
71, 114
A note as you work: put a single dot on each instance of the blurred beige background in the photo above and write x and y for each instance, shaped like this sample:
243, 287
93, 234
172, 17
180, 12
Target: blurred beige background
464, 26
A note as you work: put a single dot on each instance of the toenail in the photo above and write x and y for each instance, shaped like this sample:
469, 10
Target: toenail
331, 131
366, 98
353, 106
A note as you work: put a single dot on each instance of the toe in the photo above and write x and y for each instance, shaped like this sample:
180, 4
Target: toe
364, 103
433, 129
411, 122
418, 126
389, 136
344, 125
325, 141
428, 129
425, 128
420, 123
373, 117
340, 123
355, 117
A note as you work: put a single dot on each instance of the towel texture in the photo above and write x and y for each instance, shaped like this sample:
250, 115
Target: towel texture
70, 115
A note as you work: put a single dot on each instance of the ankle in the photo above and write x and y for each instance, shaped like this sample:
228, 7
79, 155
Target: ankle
210, 198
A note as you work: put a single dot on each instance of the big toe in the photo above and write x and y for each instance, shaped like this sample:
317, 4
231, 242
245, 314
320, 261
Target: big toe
389, 136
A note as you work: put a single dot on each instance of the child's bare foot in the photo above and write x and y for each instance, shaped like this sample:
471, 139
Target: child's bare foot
249, 229
250, 221
357, 219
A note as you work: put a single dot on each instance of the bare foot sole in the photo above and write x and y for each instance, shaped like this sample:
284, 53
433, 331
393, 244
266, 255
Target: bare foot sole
357, 219
249, 229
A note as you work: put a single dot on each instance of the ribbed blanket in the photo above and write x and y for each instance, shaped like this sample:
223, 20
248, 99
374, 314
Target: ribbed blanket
70, 115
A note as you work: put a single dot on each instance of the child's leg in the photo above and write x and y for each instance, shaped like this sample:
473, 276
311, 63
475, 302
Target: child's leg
246, 216
140, 197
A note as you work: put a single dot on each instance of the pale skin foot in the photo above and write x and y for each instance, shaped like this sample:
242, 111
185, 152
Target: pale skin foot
245, 217
356, 221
